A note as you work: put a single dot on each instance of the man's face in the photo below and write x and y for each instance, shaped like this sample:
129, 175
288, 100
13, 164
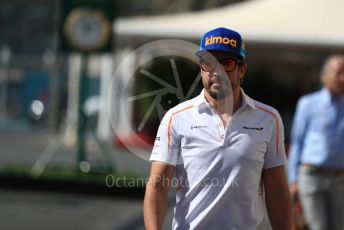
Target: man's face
221, 73
334, 78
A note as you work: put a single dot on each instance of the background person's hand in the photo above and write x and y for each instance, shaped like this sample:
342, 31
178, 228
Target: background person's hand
293, 189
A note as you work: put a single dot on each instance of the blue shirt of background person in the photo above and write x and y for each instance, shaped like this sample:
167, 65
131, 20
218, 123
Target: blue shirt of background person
317, 136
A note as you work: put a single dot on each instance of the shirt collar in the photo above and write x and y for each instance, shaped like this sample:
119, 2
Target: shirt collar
201, 102
328, 97
326, 94
246, 100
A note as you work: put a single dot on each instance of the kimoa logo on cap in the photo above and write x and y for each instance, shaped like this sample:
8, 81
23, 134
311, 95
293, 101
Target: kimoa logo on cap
220, 40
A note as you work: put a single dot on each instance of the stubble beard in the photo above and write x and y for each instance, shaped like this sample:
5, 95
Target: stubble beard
221, 93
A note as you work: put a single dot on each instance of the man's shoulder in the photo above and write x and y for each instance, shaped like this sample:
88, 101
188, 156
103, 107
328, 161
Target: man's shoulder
260, 107
268, 113
267, 109
313, 96
310, 98
183, 106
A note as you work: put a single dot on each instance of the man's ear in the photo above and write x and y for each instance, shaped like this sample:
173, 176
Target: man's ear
243, 69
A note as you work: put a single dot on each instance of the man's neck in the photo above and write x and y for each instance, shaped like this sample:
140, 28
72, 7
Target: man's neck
335, 96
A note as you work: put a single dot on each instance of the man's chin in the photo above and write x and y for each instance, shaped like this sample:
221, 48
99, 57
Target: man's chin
219, 94
218, 87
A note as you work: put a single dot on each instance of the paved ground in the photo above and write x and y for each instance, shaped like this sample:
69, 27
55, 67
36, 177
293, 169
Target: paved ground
36, 210
33, 210
55, 211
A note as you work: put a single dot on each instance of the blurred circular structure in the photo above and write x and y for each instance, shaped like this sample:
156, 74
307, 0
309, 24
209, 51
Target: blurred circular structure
161, 100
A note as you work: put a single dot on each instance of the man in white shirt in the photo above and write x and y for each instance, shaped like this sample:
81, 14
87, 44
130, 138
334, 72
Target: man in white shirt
225, 149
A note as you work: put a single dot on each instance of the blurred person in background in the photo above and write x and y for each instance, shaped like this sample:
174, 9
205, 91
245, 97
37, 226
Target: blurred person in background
225, 150
316, 163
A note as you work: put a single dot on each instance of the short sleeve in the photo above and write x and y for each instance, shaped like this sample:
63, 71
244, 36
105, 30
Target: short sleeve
167, 145
275, 155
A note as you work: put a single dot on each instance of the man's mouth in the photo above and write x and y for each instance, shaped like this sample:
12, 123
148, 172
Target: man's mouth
216, 81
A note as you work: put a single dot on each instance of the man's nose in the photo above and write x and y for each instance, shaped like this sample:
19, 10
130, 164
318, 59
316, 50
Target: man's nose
218, 70
215, 74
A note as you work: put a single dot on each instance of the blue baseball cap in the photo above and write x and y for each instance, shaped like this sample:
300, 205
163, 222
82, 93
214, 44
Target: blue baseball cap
223, 39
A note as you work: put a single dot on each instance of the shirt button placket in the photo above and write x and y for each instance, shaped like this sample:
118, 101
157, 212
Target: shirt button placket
221, 129
220, 126
222, 137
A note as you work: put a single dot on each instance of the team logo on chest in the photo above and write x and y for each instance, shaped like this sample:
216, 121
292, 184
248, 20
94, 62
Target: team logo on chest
253, 128
198, 127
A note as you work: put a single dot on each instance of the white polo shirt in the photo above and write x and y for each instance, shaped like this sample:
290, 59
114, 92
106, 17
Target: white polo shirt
218, 169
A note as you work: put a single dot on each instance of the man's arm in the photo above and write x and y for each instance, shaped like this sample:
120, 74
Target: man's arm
277, 198
299, 128
155, 201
